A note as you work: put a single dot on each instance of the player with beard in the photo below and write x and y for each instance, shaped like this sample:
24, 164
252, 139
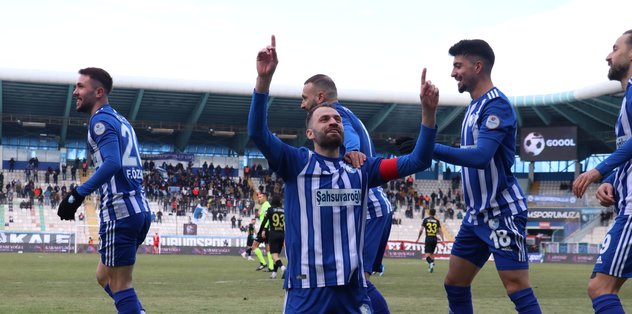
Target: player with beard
496, 217
325, 198
321, 89
125, 216
614, 263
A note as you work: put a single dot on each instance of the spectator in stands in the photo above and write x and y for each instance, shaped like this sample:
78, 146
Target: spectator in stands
11, 164
159, 216
55, 176
73, 173
84, 167
47, 174
64, 168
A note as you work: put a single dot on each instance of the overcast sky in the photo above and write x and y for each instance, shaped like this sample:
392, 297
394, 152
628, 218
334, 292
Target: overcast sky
541, 46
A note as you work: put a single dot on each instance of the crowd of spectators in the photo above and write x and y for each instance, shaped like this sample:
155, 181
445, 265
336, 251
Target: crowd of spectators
32, 191
405, 197
179, 189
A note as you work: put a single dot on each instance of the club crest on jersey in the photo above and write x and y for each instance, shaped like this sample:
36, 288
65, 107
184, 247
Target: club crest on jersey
493, 121
337, 197
493, 223
99, 128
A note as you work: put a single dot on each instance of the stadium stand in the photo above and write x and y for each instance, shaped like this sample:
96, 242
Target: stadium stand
218, 113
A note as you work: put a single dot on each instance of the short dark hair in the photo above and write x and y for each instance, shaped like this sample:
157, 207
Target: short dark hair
311, 111
628, 41
432, 212
475, 48
324, 82
276, 200
100, 76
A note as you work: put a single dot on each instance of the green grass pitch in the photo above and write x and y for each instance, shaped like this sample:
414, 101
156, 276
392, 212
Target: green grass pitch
64, 283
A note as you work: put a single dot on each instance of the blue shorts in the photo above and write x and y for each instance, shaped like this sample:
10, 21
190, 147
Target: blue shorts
376, 236
120, 239
503, 236
336, 299
615, 254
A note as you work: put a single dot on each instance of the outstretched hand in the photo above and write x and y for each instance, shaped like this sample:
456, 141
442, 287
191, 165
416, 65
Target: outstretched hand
267, 61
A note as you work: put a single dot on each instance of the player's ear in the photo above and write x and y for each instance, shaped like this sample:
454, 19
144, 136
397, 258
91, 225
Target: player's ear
100, 92
310, 134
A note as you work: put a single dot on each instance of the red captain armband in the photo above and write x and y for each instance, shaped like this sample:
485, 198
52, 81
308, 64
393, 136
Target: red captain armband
388, 169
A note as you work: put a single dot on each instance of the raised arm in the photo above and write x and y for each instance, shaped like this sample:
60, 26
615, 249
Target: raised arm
421, 156
268, 144
267, 62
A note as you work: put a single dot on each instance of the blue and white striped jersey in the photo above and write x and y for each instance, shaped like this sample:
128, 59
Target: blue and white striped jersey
326, 229
325, 202
622, 158
492, 189
119, 174
357, 138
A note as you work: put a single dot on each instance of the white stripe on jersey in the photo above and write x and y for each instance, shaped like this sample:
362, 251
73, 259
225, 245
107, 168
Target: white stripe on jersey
304, 223
512, 206
134, 202
105, 214
468, 186
340, 269
336, 227
482, 183
520, 199
625, 120
494, 172
318, 244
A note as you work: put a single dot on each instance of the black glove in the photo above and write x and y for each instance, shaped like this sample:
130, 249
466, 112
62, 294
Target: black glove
68, 206
405, 144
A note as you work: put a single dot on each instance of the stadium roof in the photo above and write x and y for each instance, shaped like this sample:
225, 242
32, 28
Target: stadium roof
197, 112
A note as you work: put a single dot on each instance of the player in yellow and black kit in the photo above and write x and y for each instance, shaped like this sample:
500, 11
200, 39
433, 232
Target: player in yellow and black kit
275, 231
432, 226
251, 238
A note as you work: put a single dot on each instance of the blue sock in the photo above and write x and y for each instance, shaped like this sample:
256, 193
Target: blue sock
127, 302
459, 299
108, 290
607, 304
378, 303
525, 301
